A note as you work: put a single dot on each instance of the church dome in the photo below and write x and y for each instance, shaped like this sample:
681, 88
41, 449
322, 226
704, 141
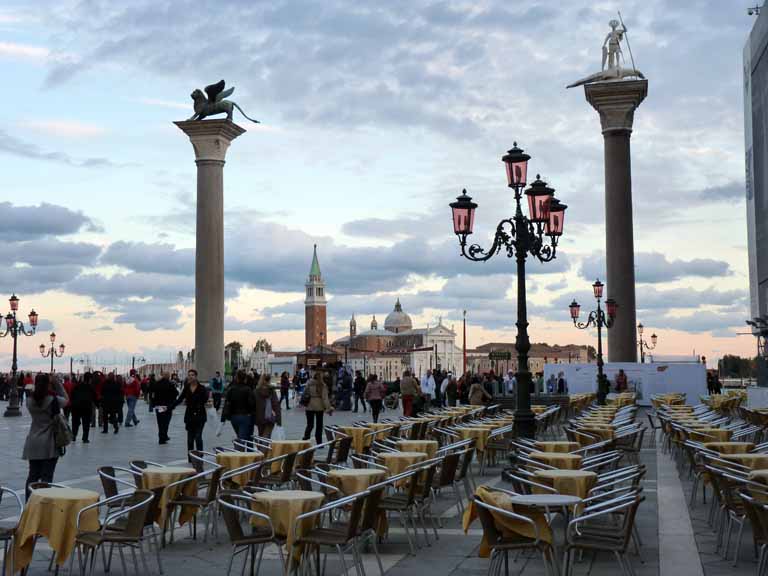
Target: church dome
398, 321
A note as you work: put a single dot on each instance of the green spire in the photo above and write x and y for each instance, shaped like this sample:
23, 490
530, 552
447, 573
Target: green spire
315, 270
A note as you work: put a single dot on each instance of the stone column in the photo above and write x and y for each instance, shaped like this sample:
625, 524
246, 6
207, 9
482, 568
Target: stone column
616, 102
210, 140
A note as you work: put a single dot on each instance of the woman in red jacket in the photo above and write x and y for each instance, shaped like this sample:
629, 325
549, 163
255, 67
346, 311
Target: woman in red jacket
131, 391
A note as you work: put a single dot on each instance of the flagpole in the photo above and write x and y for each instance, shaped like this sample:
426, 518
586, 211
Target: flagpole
465, 344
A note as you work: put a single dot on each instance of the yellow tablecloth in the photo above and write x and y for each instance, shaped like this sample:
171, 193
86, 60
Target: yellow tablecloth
753, 461
397, 462
52, 513
233, 460
507, 526
730, 447
567, 482
762, 477
479, 434
355, 480
711, 435
558, 460
283, 507
359, 441
560, 446
602, 432
429, 447
280, 447
539, 408
157, 477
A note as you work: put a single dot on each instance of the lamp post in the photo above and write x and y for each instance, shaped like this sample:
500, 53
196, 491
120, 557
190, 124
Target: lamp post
133, 361
644, 343
15, 328
519, 236
45, 353
601, 320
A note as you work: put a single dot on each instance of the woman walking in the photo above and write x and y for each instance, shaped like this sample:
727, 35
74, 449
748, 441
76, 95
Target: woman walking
267, 410
478, 395
374, 393
40, 450
318, 404
196, 397
239, 405
82, 400
285, 387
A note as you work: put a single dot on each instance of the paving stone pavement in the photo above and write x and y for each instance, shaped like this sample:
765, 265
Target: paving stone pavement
454, 554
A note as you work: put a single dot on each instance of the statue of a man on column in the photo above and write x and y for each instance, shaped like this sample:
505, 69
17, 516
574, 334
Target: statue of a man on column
612, 45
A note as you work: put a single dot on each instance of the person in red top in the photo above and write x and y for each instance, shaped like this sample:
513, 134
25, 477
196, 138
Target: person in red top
68, 386
131, 391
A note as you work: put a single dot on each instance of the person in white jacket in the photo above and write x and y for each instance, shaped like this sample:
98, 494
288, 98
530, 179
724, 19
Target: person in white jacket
428, 387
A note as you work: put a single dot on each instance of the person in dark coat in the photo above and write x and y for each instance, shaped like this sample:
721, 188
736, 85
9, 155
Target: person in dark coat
112, 402
195, 395
239, 406
266, 412
162, 396
82, 401
45, 402
359, 386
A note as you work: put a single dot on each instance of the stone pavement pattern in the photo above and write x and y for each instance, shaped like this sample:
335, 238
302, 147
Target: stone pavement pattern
454, 554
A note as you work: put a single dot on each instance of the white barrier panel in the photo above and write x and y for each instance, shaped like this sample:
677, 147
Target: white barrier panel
645, 379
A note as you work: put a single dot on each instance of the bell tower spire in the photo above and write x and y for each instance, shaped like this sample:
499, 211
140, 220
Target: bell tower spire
315, 330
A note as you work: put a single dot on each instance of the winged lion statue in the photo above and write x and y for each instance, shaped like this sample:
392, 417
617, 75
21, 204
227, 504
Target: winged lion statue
215, 102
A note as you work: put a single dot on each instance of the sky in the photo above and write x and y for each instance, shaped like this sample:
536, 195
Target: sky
374, 116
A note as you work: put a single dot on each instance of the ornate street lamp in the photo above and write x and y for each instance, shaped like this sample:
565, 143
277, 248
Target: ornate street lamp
644, 343
601, 320
52, 350
537, 235
15, 328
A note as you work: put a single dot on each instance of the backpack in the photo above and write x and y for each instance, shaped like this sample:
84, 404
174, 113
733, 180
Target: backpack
62, 433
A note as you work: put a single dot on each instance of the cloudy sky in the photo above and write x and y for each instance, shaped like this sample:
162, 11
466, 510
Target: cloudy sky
375, 116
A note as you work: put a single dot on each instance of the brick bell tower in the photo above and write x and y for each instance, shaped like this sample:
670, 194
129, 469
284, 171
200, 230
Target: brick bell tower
315, 330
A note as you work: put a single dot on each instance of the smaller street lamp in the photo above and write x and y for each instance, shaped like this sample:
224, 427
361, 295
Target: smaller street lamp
600, 320
644, 345
52, 352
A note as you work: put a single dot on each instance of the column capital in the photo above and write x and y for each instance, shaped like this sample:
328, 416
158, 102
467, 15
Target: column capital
616, 102
210, 138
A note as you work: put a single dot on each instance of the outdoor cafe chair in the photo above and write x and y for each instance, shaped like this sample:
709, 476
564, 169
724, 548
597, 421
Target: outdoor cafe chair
8, 533
236, 506
133, 511
402, 501
211, 479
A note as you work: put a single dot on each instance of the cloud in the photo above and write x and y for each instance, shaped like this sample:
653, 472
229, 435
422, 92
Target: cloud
150, 316
20, 148
654, 268
65, 128
49, 252
163, 103
22, 51
154, 258
28, 222
725, 193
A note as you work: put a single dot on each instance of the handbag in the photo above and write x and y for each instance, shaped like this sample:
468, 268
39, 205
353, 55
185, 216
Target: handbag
305, 397
62, 433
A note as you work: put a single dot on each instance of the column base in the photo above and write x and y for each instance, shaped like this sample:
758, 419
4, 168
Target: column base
12, 411
525, 424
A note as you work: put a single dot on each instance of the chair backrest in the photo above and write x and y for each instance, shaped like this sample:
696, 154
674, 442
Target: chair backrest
492, 534
305, 458
288, 466
466, 462
371, 513
108, 483
343, 449
137, 507
448, 470
229, 501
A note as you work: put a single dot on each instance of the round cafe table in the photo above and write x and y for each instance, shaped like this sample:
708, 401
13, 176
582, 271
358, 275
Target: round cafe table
281, 447
160, 477
711, 435
397, 462
355, 480
753, 461
358, 434
557, 446
52, 513
429, 447
558, 460
730, 447
283, 507
233, 460
567, 482
479, 434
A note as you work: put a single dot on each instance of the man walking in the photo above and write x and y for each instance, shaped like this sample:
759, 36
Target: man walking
428, 387
217, 390
162, 396
409, 388
132, 390
359, 386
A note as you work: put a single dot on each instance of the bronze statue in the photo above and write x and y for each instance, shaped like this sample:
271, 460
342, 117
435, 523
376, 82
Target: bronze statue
215, 103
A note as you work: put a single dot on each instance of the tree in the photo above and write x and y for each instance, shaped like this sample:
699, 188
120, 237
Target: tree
732, 366
263, 345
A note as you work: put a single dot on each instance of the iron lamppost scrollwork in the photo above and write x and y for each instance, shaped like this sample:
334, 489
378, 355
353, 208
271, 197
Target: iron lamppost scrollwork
644, 345
45, 353
13, 329
537, 235
600, 319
